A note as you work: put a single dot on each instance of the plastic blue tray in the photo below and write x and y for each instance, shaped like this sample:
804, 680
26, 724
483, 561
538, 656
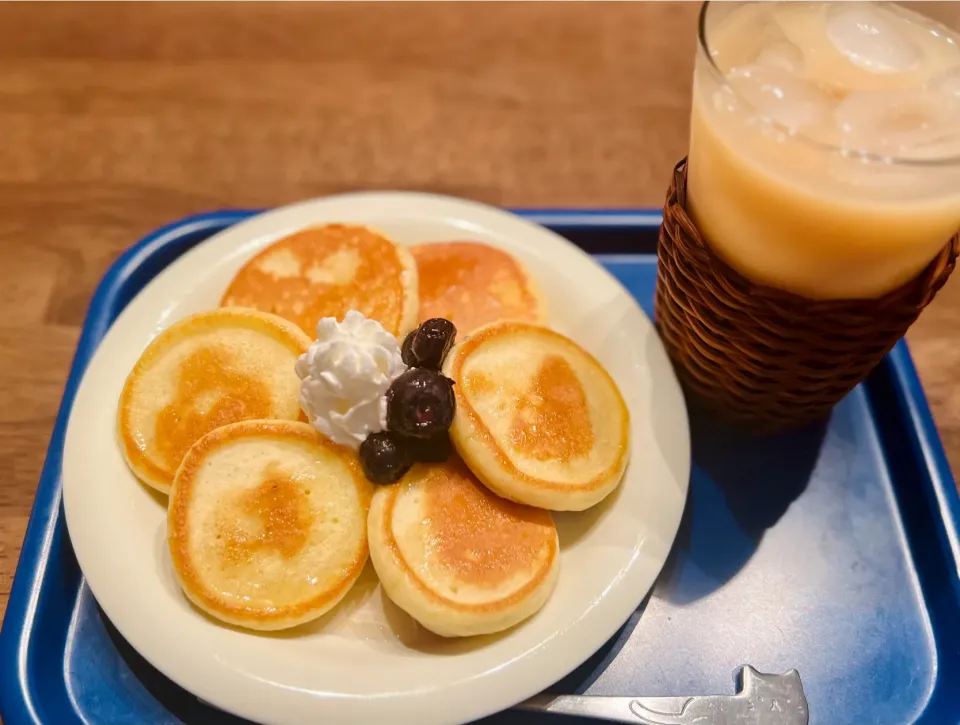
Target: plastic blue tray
833, 550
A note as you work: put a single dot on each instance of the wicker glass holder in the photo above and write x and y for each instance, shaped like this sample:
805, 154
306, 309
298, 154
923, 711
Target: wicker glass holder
766, 358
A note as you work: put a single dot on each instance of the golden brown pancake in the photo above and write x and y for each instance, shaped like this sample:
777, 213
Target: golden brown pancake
266, 523
471, 284
202, 372
457, 558
539, 420
325, 271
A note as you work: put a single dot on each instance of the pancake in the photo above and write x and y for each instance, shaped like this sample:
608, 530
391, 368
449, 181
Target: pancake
325, 271
539, 420
205, 371
457, 558
267, 523
472, 284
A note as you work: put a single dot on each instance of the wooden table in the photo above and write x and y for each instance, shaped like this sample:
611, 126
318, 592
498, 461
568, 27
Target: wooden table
117, 118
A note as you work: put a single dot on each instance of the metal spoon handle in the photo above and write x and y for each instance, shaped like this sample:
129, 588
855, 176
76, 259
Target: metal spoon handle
762, 700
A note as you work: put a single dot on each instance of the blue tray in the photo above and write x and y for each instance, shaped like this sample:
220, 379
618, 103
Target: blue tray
833, 550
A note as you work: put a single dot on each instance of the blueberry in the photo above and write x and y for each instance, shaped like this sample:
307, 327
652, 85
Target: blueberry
428, 345
405, 352
420, 403
430, 450
384, 457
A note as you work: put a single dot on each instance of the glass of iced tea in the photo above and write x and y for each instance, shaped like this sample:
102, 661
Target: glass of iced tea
825, 142
818, 208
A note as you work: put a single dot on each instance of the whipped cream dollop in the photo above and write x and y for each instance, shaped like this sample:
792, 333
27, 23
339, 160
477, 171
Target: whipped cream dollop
344, 377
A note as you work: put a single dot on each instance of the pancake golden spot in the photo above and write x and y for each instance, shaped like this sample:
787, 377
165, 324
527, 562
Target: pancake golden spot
325, 271
471, 284
210, 393
552, 420
279, 509
480, 537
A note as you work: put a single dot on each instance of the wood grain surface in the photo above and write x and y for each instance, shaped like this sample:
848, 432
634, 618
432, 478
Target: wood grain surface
115, 119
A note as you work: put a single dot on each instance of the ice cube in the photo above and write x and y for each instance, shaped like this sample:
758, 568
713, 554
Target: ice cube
782, 54
870, 38
775, 48
779, 96
947, 82
907, 123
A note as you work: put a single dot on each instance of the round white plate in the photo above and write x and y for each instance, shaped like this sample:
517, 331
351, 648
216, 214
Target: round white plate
366, 662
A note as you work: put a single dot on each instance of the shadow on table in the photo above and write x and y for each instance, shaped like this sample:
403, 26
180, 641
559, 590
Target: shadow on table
741, 484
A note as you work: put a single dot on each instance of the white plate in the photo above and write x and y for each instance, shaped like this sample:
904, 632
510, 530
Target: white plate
365, 663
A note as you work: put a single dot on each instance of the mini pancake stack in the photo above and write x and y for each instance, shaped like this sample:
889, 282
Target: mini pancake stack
270, 523
266, 518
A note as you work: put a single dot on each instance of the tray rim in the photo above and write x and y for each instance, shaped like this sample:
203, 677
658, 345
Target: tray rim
16, 697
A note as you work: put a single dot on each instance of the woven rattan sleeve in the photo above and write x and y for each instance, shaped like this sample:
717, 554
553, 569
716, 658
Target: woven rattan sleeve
763, 356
